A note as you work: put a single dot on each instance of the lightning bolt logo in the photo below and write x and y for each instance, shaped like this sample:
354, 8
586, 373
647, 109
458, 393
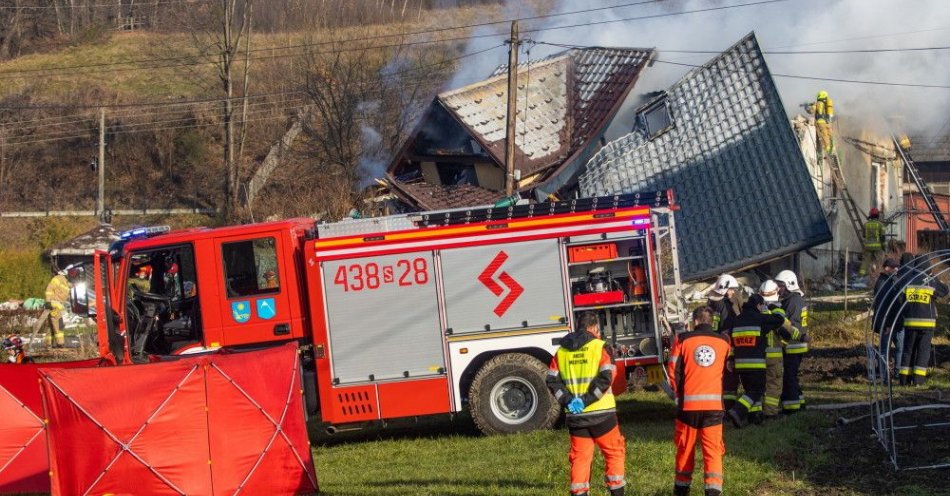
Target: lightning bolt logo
487, 277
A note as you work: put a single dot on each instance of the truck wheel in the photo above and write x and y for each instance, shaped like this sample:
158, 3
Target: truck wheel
508, 395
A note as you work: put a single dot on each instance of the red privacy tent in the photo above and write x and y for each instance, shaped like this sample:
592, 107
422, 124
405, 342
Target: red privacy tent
24, 464
216, 424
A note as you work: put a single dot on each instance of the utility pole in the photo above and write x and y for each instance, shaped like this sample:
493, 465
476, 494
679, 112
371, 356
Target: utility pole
101, 167
512, 110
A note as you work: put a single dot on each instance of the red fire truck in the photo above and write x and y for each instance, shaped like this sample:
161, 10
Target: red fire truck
405, 315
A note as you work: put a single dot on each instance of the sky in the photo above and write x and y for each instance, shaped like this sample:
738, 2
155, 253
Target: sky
790, 25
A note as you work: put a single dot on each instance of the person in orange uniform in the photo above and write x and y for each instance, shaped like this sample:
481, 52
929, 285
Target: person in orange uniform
695, 368
580, 377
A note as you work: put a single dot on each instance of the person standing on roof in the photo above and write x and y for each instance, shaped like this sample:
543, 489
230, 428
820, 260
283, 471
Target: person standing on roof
580, 377
749, 335
919, 316
725, 300
824, 111
796, 344
57, 297
695, 369
873, 242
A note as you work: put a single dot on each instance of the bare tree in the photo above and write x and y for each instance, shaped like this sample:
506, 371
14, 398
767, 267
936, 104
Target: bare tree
218, 35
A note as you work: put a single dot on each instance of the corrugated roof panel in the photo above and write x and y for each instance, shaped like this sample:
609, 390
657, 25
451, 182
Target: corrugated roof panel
734, 162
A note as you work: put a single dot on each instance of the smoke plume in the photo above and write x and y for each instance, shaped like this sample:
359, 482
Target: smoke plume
793, 25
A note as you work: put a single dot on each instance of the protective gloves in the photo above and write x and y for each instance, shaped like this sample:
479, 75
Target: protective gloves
576, 406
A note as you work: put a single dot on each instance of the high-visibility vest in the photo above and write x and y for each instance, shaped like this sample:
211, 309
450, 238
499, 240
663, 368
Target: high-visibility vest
872, 234
579, 368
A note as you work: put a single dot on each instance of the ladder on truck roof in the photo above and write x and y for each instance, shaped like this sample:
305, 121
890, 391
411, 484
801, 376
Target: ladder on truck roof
922, 186
458, 216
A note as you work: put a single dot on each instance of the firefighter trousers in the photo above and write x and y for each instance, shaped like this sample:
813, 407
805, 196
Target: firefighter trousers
792, 397
916, 355
713, 446
730, 388
753, 389
774, 382
614, 447
823, 132
871, 260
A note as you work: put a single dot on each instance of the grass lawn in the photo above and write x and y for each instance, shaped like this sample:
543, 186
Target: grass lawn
802, 454
450, 458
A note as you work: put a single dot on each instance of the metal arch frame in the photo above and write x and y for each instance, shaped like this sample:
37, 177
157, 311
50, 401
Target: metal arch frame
880, 382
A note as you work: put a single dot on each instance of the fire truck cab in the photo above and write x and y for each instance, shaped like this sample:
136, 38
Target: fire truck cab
406, 315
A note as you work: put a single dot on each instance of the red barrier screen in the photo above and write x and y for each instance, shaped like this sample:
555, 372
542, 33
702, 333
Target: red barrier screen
24, 464
215, 424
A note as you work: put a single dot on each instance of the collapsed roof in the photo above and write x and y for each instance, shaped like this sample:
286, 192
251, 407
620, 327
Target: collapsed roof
721, 140
565, 103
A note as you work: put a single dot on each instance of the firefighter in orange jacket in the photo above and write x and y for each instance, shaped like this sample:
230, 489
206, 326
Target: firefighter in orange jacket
695, 368
580, 377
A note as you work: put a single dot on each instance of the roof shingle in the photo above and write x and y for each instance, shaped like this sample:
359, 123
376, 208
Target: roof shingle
733, 161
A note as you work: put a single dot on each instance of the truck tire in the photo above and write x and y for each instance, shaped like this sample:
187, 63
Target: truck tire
508, 395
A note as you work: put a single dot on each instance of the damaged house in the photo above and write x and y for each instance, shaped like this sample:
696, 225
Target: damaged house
870, 171
720, 138
456, 155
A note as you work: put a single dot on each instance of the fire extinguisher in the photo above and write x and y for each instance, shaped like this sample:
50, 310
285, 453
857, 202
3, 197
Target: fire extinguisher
638, 279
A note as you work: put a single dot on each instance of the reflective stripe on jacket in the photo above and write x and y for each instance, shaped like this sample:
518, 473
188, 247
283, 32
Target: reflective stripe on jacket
578, 368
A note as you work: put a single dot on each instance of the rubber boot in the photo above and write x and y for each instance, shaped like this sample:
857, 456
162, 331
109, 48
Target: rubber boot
756, 418
735, 418
616, 492
680, 491
713, 492
902, 381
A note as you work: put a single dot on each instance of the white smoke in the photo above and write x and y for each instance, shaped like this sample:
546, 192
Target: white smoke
794, 25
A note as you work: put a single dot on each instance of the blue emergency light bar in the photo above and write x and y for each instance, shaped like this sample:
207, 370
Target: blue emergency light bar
143, 232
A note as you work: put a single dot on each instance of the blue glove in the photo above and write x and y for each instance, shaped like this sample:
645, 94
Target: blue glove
576, 406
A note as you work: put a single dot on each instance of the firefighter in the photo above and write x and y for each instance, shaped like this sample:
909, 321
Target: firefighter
774, 368
919, 316
749, 334
824, 111
873, 242
725, 300
885, 311
695, 369
796, 344
57, 296
580, 377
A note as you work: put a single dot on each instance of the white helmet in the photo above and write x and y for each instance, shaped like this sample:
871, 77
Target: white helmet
788, 278
769, 291
725, 283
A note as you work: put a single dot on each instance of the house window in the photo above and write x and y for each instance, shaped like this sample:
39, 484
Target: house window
655, 118
250, 267
456, 174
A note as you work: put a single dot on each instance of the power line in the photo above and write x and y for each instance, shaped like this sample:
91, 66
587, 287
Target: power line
776, 74
237, 98
346, 40
8, 74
